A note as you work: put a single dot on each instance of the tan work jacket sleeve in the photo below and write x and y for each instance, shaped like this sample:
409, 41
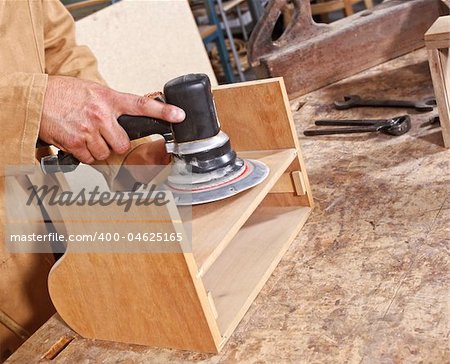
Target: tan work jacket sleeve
21, 99
63, 56
22, 94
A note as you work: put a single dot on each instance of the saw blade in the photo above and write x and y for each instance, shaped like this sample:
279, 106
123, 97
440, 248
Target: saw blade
251, 174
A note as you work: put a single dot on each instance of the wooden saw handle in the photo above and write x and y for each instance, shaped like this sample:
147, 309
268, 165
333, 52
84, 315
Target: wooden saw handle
302, 27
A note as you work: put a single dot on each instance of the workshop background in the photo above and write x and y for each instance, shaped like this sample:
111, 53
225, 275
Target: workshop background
232, 22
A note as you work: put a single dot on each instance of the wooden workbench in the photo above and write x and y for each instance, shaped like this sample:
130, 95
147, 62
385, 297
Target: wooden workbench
368, 280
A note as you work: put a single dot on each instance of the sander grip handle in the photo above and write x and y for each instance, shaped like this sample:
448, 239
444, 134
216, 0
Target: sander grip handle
136, 127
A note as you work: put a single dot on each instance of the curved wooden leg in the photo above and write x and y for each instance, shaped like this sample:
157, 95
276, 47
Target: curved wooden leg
369, 4
348, 9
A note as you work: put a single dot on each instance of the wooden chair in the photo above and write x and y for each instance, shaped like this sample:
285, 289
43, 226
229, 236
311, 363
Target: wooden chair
324, 7
82, 8
437, 41
77, 4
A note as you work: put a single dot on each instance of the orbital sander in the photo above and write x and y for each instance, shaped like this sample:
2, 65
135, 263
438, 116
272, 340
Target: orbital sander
204, 166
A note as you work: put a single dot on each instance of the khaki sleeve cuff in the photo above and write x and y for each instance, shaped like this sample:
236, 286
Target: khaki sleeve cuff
21, 101
35, 104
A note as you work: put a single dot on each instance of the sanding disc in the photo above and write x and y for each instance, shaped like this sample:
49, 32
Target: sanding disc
252, 173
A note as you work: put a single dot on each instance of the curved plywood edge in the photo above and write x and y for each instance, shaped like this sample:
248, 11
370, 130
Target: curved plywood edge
149, 298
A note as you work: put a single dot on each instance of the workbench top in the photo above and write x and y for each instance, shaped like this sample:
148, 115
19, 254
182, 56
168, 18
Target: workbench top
368, 278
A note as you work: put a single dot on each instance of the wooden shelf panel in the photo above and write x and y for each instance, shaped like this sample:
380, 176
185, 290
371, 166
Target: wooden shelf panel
215, 224
240, 272
438, 36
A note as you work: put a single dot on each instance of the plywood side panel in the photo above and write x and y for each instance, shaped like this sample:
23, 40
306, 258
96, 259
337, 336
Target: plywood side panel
145, 297
256, 115
137, 298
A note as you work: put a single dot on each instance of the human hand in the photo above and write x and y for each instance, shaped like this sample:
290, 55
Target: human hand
80, 117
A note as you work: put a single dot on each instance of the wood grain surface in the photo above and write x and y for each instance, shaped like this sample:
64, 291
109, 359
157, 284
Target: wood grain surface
438, 36
226, 217
241, 271
261, 120
144, 297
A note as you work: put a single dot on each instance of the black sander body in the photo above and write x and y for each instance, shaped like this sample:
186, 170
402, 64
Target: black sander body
205, 168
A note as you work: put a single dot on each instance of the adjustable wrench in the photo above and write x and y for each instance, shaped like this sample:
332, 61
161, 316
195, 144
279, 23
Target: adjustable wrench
357, 101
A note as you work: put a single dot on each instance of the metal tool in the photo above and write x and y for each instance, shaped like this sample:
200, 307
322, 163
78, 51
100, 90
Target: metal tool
395, 126
357, 101
204, 166
435, 120
305, 44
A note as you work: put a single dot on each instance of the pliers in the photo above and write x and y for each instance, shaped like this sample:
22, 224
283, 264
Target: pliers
395, 126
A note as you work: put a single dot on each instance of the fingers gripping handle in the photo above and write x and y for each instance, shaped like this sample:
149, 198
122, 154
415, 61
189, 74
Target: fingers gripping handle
136, 127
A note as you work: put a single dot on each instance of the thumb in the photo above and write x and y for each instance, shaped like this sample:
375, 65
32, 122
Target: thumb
145, 106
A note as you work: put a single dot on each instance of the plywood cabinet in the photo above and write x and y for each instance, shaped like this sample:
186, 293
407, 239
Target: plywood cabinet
193, 299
